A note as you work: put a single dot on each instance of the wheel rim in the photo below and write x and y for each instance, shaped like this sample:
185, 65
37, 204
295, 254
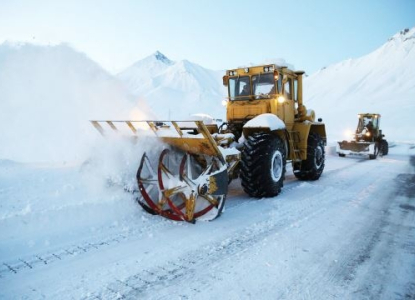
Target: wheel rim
277, 166
318, 155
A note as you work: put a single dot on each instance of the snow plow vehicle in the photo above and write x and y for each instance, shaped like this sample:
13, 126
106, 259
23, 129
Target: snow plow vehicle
368, 138
267, 125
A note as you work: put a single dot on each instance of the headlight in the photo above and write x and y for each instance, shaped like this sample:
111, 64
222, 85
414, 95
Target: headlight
348, 133
225, 102
367, 133
281, 99
269, 69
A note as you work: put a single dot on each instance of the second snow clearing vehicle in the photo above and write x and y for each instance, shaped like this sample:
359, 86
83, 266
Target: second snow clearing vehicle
267, 125
368, 139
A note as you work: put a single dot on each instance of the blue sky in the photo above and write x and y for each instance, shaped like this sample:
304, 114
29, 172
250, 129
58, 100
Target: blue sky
216, 34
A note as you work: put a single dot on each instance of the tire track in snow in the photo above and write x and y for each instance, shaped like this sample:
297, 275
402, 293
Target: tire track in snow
47, 258
34, 261
187, 267
355, 251
179, 269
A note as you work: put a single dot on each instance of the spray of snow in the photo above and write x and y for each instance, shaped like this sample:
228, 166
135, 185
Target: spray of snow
114, 160
48, 94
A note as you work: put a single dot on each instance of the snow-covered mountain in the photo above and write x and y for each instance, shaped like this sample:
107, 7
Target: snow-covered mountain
380, 82
47, 96
175, 90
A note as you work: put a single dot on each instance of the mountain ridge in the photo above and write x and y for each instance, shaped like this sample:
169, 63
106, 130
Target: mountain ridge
382, 81
180, 87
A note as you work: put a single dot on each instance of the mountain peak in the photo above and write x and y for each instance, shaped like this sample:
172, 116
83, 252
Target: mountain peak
161, 57
404, 35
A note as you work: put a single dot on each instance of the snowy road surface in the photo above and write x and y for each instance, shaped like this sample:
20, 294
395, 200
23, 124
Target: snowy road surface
349, 235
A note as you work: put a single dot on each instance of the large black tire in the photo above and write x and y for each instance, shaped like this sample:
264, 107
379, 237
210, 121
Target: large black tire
263, 162
385, 147
312, 167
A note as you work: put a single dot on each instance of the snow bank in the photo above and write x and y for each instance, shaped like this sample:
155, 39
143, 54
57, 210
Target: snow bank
48, 94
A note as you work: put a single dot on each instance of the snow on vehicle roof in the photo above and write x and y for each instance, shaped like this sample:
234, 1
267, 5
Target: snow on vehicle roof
267, 121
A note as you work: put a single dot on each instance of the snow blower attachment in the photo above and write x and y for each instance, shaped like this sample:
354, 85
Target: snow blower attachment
368, 139
267, 125
189, 181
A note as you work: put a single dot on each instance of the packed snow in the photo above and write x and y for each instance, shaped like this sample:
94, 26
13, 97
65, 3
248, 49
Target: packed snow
70, 232
70, 226
265, 121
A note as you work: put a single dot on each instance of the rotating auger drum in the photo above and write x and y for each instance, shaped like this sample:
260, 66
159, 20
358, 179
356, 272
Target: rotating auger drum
189, 180
183, 187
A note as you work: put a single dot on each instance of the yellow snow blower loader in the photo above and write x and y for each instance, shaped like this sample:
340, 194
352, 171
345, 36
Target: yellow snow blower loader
368, 139
267, 125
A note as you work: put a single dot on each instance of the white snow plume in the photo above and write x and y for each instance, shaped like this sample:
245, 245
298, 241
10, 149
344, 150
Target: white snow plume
176, 90
380, 82
114, 160
48, 94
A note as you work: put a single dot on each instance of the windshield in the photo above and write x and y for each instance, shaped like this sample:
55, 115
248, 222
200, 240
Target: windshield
366, 122
239, 88
263, 85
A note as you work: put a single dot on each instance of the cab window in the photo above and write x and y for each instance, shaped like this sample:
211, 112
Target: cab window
263, 85
239, 87
375, 122
295, 90
287, 89
279, 82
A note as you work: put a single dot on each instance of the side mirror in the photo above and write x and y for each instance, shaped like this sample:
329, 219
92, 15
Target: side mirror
320, 120
225, 80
